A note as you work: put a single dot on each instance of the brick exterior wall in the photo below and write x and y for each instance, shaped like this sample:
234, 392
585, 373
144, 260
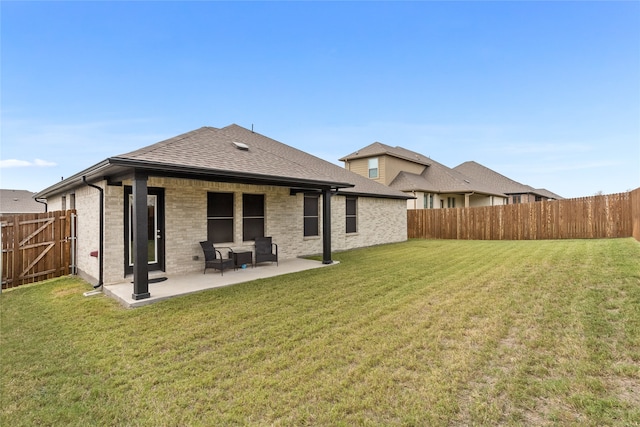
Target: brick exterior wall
379, 221
56, 203
88, 224
114, 234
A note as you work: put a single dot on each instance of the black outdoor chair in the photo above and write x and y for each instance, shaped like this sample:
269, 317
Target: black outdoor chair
213, 258
266, 250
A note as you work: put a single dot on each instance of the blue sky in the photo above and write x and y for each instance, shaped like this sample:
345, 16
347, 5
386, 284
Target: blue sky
546, 93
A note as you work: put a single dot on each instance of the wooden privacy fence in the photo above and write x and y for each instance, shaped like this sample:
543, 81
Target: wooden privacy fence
607, 216
36, 247
635, 213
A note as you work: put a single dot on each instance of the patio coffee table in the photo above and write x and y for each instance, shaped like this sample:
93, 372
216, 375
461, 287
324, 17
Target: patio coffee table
242, 258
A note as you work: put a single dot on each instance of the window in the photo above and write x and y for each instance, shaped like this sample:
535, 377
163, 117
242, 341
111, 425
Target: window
430, 201
451, 202
311, 222
373, 168
220, 217
517, 199
252, 216
351, 215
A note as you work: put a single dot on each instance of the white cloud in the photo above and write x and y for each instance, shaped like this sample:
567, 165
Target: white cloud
40, 162
15, 163
65, 148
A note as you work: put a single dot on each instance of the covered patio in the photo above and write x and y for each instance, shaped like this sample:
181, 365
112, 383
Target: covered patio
143, 213
185, 284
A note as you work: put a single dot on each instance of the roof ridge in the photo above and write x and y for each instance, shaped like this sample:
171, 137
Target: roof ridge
308, 156
165, 142
485, 169
384, 149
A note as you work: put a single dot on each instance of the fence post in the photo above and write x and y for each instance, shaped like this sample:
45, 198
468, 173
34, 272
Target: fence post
16, 250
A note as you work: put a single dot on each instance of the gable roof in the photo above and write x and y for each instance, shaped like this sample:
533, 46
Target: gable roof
380, 149
18, 202
499, 181
435, 178
231, 154
438, 178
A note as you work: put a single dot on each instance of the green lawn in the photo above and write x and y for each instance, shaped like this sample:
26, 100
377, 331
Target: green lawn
418, 333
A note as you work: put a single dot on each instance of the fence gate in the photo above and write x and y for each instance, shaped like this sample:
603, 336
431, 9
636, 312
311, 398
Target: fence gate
37, 247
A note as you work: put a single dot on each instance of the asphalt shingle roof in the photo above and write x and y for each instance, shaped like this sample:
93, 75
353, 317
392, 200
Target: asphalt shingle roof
314, 164
546, 193
379, 149
436, 177
214, 149
499, 181
19, 201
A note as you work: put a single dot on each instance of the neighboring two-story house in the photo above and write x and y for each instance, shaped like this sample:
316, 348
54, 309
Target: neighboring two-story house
432, 184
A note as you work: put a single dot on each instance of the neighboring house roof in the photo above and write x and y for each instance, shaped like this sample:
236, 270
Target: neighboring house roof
438, 178
435, 178
306, 165
380, 149
499, 181
548, 194
19, 202
231, 154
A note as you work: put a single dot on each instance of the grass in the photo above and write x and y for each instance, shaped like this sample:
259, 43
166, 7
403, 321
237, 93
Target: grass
417, 333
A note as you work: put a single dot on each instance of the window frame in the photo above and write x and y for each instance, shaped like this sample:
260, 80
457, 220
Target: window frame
372, 174
351, 216
253, 215
216, 216
307, 219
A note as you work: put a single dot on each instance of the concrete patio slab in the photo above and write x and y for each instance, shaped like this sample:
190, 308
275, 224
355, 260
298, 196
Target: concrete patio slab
196, 282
